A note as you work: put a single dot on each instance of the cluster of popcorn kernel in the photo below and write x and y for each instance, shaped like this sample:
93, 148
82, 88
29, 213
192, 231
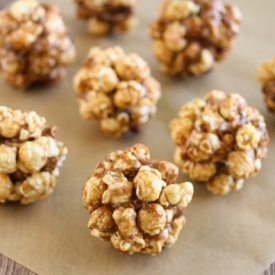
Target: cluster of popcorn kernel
107, 16
34, 44
220, 140
135, 202
30, 156
189, 37
117, 89
266, 75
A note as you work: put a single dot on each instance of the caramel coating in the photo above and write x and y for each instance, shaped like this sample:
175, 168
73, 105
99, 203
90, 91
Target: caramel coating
266, 76
105, 17
30, 156
117, 89
135, 202
191, 36
34, 44
220, 140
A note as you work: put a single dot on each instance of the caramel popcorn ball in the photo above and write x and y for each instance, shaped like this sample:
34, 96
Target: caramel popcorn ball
30, 156
135, 202
266, 76
107, 16
34, 44
220, 140
189, 37
117, 89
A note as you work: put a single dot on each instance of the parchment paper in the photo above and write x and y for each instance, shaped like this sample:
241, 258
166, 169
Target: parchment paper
234, 234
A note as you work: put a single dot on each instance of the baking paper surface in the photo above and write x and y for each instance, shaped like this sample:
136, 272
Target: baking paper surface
234, 234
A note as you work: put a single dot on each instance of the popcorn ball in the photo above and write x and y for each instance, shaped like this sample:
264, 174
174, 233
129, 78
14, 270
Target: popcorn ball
190, 37
117, 89
30, 156
219, 139
107, 16
266, 75
34, 44
135, 202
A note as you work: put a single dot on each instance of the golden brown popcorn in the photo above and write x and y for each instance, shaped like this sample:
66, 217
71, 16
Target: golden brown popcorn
35, 46
30, 156
191, 36
266, 75
107, 16
117, 89
135, 202
219, 140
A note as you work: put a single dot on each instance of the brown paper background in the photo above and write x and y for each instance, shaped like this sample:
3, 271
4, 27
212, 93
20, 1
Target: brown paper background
234, 234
